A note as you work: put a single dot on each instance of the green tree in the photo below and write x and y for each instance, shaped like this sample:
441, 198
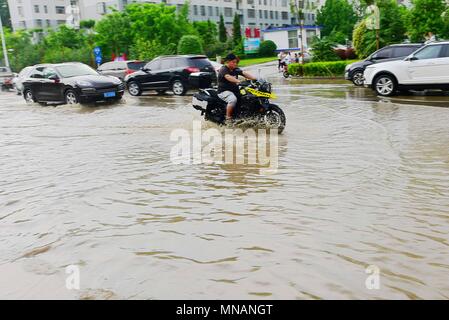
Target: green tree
22, 51
207, 31
392, 29
337, 16
427, 16
222, 34
190, 45
158, 22
236, 30
113, 33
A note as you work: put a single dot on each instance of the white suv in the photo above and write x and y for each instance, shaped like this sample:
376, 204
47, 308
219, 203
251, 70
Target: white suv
426, 68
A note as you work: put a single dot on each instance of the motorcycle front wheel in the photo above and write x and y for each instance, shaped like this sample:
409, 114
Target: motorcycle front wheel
275, 118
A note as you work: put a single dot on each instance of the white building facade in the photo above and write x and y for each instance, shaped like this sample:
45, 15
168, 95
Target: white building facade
31, 14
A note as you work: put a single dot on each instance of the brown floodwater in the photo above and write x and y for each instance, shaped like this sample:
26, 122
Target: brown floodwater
361, 181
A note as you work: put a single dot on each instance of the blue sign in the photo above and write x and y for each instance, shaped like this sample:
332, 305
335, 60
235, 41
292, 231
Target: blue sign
97, 51
98, 59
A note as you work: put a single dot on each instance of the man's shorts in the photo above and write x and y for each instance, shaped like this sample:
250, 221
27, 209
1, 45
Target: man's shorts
228, 97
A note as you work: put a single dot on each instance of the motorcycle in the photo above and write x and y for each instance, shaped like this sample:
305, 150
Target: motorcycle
253, 105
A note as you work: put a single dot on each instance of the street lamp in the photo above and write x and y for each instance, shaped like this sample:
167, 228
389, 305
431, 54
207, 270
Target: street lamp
5, 52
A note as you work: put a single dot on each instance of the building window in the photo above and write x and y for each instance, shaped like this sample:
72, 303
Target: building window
284, 15
228, 12
59, 22
195, 10
265, 13
250, 1
260, 14
284, 3
251, 13
203, 10
20, 11
211, 10
293, 39
60, 10
38, 23
45, 9
276, 15
36, 8
217, 11
271, 15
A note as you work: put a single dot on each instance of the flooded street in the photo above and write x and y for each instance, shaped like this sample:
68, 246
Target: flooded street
361, 181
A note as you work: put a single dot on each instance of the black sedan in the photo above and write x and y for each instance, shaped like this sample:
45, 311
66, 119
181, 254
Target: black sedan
70, 83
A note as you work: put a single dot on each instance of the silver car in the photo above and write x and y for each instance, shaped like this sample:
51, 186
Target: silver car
20, 78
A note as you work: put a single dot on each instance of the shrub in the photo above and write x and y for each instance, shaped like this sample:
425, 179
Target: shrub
267, 48
190, 45
319, 69
323, 50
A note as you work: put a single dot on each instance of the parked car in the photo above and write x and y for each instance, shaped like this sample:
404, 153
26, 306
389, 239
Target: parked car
354, 71
20, 78
427, 68
6, 76
70, 83
175, 73
120, 69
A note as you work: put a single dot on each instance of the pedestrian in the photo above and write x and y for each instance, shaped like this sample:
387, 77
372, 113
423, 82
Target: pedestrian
296, 58
279, 60
430, 37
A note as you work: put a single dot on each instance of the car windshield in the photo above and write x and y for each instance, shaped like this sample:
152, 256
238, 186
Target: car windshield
75, 70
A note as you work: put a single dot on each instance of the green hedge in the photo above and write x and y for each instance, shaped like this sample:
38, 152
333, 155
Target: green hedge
319, 69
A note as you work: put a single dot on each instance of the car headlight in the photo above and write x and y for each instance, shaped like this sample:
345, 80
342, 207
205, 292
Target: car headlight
82, 83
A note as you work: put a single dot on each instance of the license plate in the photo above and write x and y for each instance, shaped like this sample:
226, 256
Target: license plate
109, 94
199, 103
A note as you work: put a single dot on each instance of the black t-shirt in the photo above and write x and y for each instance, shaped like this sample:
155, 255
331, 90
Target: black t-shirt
224, 84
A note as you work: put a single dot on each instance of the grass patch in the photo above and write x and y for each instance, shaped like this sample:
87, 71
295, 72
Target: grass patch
252, 61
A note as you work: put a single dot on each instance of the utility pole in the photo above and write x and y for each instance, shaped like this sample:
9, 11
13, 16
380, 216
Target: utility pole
5, 52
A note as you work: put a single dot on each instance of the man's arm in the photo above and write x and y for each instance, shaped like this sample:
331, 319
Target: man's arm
231, 79
248, 75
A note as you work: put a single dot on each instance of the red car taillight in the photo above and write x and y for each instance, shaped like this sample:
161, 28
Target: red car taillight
129, 71
192, 69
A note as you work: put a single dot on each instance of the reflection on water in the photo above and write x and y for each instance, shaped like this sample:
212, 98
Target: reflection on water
361, 181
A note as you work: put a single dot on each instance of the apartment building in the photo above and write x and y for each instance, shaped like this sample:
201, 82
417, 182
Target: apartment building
30, 14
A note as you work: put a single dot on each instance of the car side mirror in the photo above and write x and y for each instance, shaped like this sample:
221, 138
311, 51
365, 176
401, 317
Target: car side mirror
412, 58
54, 77
145, 69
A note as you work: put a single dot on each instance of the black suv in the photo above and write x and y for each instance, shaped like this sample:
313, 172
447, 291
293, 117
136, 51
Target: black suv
354, 71
175, 73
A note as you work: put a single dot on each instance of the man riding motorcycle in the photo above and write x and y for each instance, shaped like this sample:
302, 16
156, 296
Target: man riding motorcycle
228, 83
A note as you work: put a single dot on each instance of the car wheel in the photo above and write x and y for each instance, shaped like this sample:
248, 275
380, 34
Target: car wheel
71, 97
29, 97
178, 88
134, 89
385, 85
357, 78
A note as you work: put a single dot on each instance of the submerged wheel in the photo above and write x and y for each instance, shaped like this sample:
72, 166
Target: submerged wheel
178, 88
29, 97
385, 85
275, 118
357, 78
71, 97
134, 89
